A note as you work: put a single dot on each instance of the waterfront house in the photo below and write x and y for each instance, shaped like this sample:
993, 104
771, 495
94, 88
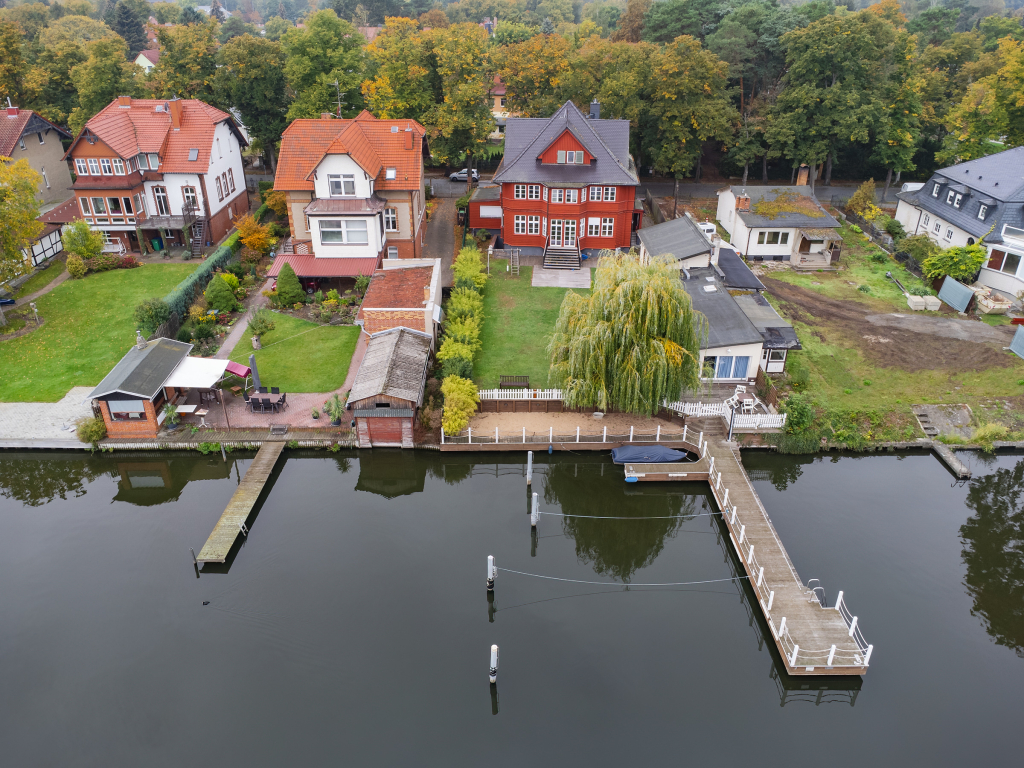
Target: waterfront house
389, 387
355, 194
567, 186
779, 224
25, 135
980, 201
167, 172
404, 293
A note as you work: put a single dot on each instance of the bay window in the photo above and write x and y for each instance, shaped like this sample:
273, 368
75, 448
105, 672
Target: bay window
533, 225
344, 232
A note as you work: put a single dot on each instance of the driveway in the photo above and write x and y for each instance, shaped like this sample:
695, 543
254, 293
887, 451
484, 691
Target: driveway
440, 240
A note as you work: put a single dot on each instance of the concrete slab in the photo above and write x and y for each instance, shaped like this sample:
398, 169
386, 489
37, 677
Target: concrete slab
45, 421
561, 278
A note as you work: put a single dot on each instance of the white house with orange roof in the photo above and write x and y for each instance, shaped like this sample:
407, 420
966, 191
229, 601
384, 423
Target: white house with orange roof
155, 169
355, 195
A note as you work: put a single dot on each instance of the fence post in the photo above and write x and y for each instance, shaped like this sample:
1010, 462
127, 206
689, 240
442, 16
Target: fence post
760, 575
867, 656
725, 501
684, 433
657, 437
831, 655
733, 521
750, 554
771, 598
839, 601
711, 468
853, 626
631, 434
743, 531
577, 434
792, 661
782, 626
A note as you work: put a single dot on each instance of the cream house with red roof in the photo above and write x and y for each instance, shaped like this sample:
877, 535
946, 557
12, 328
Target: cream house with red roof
355, 194
25, 135
159, 169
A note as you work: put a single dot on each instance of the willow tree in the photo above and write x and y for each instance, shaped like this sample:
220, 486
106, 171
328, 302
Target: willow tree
632, 343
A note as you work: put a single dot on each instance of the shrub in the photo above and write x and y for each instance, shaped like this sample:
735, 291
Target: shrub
289, 291
266, 188
102, 263
236, 268
81, 240
254, 235
451, 348
362, 283
801, 413
76, 267
987, 433
220, 296
91, 429
231, 280
462, 202
460, 400
864, 288
856, 229
128, 262
862, 198
261, 322
465, 330
468, 265
879, 257
318, 297
185, 334
465, 303
277, 202
279, 230
332, 295
457, 366
895, 230
151, 314
919, 247
203, 332
799, 374
332, 304
961, 263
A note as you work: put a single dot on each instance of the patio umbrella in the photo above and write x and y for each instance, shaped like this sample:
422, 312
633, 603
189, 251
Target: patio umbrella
255, 373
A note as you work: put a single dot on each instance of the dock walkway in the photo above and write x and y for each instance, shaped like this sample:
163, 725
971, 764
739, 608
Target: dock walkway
244, 499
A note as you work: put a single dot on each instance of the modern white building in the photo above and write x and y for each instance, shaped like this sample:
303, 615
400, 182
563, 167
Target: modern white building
980, 201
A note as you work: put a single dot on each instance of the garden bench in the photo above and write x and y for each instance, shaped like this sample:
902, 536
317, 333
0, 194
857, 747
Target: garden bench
514, 382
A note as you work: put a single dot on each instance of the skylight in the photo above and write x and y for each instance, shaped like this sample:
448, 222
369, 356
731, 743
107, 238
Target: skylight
389, 173
193, 155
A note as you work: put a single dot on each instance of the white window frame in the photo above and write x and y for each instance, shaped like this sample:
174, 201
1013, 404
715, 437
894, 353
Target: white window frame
392, 251
220, 189
118, 166
519, 191
81, 167
220, 152
926, 221
949, 234
557, 195
94, 167
982, 211
107, 166
949, 197
572, 196
231, 178
533, 192
84, 205
390, 174
188, 193
160, 193
154, 161
349, 229
519, 224
783, 238
935, 189
957, 200
609, 194
142, 162
594, 226
938, 227
533, 225
595, 194
607, 227
390, 219
21, 144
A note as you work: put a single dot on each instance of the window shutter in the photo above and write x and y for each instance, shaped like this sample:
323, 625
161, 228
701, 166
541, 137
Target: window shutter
579, 158
544, 191
561, 155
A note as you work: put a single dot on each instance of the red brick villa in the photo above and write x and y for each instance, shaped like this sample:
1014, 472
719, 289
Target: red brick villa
566, 186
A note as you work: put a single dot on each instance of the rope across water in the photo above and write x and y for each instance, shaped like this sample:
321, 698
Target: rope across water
621, 584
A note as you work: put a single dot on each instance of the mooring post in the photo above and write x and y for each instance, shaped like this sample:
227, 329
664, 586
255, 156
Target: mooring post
493, 676
551, 436
442, 435
867, 656
839, 601
529, 466
194, 560
631, 434
684, 433
534, 512
495, 435
524, 435
470, 435
853, 626
771, 597
657, 437
700, 443
604, 434
831, 655
491, 573
223, 455
792, 661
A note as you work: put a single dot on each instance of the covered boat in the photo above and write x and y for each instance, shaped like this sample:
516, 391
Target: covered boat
648, 454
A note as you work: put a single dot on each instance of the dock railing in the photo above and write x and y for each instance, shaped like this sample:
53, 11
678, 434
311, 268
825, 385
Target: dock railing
521, 437
858, 654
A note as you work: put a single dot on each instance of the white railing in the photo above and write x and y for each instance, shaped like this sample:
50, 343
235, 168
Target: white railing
521, 437
857, 654
758, 420
697, 410
520, 394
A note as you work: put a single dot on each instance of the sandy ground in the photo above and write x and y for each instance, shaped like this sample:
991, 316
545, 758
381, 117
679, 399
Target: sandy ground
566, 423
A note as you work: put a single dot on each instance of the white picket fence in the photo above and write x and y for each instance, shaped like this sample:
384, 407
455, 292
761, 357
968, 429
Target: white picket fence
520, 394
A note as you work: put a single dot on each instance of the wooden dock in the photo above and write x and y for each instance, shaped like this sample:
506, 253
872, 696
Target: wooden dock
812, 639
237, 511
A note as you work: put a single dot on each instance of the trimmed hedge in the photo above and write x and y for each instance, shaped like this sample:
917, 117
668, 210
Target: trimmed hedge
185, 292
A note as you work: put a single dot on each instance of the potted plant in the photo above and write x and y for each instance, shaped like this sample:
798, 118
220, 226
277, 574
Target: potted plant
335, 409
171, 416
316, 414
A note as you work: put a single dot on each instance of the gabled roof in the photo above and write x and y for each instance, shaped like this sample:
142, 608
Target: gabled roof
679, 238
996, 181
776, 332
64, 213
395, 364
787, 219
607, 140
142, 372
139, 127
151, 54
370, 142
13, 127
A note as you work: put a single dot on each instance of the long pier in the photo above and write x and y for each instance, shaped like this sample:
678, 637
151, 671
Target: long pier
244, 499
811, 638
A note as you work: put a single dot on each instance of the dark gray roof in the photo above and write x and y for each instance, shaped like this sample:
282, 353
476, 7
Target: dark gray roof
737, 273
996, 181
395, 364
679, 238
490, 192
756, 194
728, 325
776, 332
607, 140
142, 372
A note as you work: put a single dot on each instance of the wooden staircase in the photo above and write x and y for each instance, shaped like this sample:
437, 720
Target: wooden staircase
561, 258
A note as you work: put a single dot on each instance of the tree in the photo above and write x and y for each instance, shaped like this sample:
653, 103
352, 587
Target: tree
405, 82
631, 23
216, 12
532, 72
103, 76
435, 18
325, 52
235, 27
509, 32
934, 26
251, 78
220, 296
961, 263
166, 13
128, 25
547, 27
666, 21
82, 240
12, 62
190, 15
632, 343
276, 27
289, 291
188, 62
899, 124
558, 11
19, 208
151, 314
254, 235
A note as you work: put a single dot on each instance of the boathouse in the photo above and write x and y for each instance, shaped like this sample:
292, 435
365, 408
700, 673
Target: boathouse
389, 387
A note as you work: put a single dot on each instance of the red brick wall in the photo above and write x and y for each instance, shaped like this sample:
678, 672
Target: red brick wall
377, 320
621, 210
130, 429
407, 249
220, 222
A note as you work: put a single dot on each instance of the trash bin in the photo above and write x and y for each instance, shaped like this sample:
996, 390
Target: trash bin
158, 244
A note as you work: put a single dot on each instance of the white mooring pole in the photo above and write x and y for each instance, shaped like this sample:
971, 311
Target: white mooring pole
853, 626
529, 465
831, 655
551, 435
524, 434
760, 575
771, 598
495, 435
657, 437
442, 435
604, 434
782, 626
631, 434
839, 600
684, 433
491, 573
792, 661
577, 434
470, 435
493, 675
534, 512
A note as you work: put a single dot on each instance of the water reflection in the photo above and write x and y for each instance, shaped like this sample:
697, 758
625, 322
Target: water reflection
32, 479
391, 472
993, 551
616, 548
146, 481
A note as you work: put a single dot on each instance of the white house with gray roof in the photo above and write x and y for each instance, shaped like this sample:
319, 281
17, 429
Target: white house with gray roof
980, 201
779, 224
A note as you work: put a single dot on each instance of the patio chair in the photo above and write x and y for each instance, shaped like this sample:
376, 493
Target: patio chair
263, 391
248, 400
748, 405
269, 405
282, 401
275, 391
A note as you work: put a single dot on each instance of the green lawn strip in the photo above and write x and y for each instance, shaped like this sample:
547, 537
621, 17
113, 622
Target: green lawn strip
300, 356
41, 279
518, 322
88, 328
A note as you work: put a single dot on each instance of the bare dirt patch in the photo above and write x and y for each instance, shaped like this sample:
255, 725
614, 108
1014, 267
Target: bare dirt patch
906, 347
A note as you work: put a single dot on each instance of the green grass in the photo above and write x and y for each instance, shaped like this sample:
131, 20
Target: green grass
88, 328
518, 322
995, 320
41, 279
300, 356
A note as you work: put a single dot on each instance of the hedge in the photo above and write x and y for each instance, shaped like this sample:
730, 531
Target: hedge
184, 293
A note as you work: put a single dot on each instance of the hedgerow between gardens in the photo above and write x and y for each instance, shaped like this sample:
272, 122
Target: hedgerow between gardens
464, 318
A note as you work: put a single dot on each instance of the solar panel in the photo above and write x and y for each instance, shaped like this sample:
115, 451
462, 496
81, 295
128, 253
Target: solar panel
1017, 345
955, 294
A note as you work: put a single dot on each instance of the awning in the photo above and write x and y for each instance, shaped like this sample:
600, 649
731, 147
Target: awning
311, 266
241, 371
197, 373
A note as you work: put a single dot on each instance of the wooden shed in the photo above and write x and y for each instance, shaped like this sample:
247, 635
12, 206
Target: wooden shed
389, 387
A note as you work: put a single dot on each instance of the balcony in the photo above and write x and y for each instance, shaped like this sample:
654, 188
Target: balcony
189, 216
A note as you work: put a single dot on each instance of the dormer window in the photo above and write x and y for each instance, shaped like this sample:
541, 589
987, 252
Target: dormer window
154, 161
935, 189
949, 197
570, 157
390, 173
957, 200
982, 210
342, 185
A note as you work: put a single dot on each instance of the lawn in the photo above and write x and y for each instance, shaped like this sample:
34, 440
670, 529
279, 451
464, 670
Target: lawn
88, 327
42, 278
300, 356
518, 322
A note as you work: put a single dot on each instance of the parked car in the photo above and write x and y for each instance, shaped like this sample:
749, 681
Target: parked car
461, 175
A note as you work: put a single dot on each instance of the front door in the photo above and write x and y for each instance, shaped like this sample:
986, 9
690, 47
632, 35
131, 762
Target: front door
556, 233
570, 233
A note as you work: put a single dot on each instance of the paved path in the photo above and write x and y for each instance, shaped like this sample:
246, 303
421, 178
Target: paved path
242, 324
357, 359
44, 290
45, 421
561, 278
440, 241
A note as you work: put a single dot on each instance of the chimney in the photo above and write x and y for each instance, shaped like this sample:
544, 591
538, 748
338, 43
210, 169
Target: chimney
742, 201
595, 110
140, 343
124, 102
326, 115
802, 175
408, 137
174, 107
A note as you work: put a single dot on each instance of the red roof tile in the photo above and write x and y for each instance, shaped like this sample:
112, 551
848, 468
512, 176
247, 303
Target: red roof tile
370, 142
311, 266
398, 288
153, 54
12, 128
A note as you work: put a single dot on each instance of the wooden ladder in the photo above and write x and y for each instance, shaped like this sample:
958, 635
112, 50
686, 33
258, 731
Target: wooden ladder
515, 262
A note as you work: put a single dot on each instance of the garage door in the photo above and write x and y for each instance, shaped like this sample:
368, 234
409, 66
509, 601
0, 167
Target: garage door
386, 431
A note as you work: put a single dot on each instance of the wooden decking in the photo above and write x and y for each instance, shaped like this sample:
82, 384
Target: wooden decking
237, 512
680, 471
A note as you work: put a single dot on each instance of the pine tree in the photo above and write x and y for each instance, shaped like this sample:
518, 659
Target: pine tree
220, 296
546, 27
216, 11
289, 291
128, 25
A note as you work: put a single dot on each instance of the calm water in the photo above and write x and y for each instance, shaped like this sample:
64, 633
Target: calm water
353, 627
